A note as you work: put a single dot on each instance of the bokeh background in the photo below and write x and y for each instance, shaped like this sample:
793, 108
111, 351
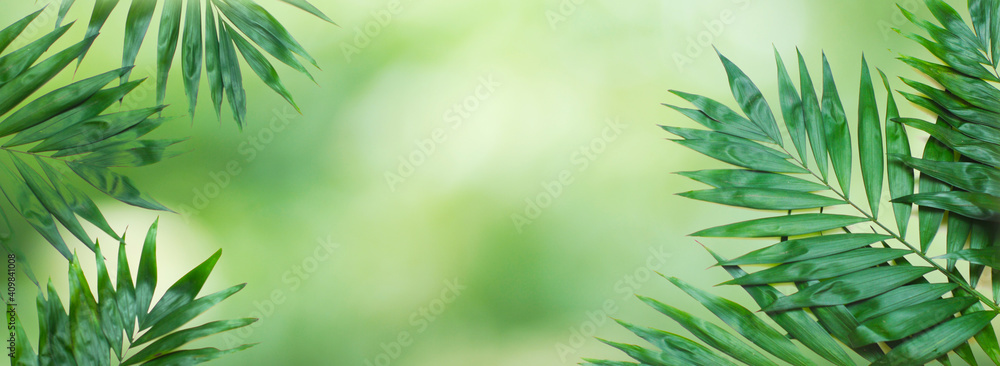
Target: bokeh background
524, 98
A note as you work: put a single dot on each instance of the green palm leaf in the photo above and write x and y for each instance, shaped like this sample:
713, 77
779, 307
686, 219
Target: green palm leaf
861, 298
94, 325
65, 133
180, 22
967, 127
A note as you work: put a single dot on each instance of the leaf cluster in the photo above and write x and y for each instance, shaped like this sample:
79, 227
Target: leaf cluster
870, 294
209, 36
69, 134
97, 324
73, 133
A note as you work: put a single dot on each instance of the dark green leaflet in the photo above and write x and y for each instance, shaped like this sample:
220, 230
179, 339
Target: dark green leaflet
93, 326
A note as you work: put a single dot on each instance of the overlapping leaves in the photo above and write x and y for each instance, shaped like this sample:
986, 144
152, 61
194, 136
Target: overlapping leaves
65, 133
959, 167
210, 33
97, 324
855, 293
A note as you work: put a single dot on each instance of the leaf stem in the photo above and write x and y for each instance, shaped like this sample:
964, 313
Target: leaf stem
953, 277
34, 154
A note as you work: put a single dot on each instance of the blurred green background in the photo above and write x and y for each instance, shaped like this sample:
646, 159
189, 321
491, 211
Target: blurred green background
495, 106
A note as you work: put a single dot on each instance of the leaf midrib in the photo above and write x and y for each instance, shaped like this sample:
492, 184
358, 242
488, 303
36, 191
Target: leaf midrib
955, 278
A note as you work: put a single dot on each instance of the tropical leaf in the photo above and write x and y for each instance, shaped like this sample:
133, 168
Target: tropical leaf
180, 25
959, 164
305, 5
94, 326
851, 295
66, 133
55, 140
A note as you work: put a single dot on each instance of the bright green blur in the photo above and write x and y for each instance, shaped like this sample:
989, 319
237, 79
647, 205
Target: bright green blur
421, 142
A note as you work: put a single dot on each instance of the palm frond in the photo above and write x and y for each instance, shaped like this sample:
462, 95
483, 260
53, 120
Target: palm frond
224, 21
958, 169
66, 133
98, 323
856, 292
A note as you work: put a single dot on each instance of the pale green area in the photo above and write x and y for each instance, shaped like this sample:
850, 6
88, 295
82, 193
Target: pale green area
324, 175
